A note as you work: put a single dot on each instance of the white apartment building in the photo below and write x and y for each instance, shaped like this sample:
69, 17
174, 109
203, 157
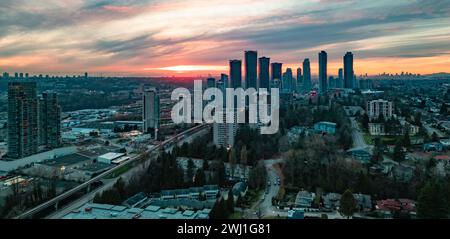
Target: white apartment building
375, 108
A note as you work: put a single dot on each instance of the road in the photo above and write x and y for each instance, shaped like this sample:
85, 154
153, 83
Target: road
263, 207
430, 130
357, 135
190, 132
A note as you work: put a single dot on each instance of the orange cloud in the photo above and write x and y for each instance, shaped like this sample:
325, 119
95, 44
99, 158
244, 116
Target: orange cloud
119, 9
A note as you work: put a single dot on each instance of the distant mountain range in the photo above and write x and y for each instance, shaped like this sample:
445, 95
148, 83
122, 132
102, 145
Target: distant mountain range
440, 74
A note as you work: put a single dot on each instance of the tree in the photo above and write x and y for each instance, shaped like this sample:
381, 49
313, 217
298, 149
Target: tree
200, 177
418, 119
257, 177
365, 121
378, 150
205, 165
230, 201
444, 109
348, 204
220, 210
190, 170
120, 186
406, 139
434, 137
244, 155
432, 201
399, 155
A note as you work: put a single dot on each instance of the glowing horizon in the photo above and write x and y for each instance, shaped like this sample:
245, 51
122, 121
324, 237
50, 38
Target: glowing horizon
190, 38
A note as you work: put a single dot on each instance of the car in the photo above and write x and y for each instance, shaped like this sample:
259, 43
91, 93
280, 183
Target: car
268, 183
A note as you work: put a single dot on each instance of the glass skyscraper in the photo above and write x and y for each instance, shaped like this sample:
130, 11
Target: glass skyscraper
210, 82
276, 70
251, 61
322, 72
264, 73
306, 75
348, 71
340, 79
299, 78
235, 74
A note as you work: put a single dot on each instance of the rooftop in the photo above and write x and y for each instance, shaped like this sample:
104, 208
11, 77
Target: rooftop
66, 160
95, 167
111, 155
107, 211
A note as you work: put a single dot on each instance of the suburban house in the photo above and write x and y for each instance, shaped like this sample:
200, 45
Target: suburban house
325, 127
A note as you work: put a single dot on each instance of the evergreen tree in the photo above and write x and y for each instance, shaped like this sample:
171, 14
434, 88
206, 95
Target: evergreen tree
406, 139
190, 171
244, 155
230, 202
432, 201
200, 177
348, 204
365, 121
399, 155
434, 137
205, 165
443, 109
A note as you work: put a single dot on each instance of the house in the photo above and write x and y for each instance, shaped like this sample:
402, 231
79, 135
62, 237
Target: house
387, 165
363, 154
435, 146
354, 110
294, 133
363, 201
388, 207
402, 172
304, 199
445, 143
296, 214
331, 200
325, 127
236, 172
239, 189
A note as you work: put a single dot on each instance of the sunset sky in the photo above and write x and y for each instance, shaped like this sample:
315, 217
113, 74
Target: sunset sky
190, 38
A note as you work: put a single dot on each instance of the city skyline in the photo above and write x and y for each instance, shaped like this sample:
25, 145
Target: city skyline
153, 38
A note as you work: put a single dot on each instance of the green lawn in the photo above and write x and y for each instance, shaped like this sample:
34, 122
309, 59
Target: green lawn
235, 215
368, 138
120, 171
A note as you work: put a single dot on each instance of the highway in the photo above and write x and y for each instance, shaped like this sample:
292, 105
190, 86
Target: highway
101, 176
